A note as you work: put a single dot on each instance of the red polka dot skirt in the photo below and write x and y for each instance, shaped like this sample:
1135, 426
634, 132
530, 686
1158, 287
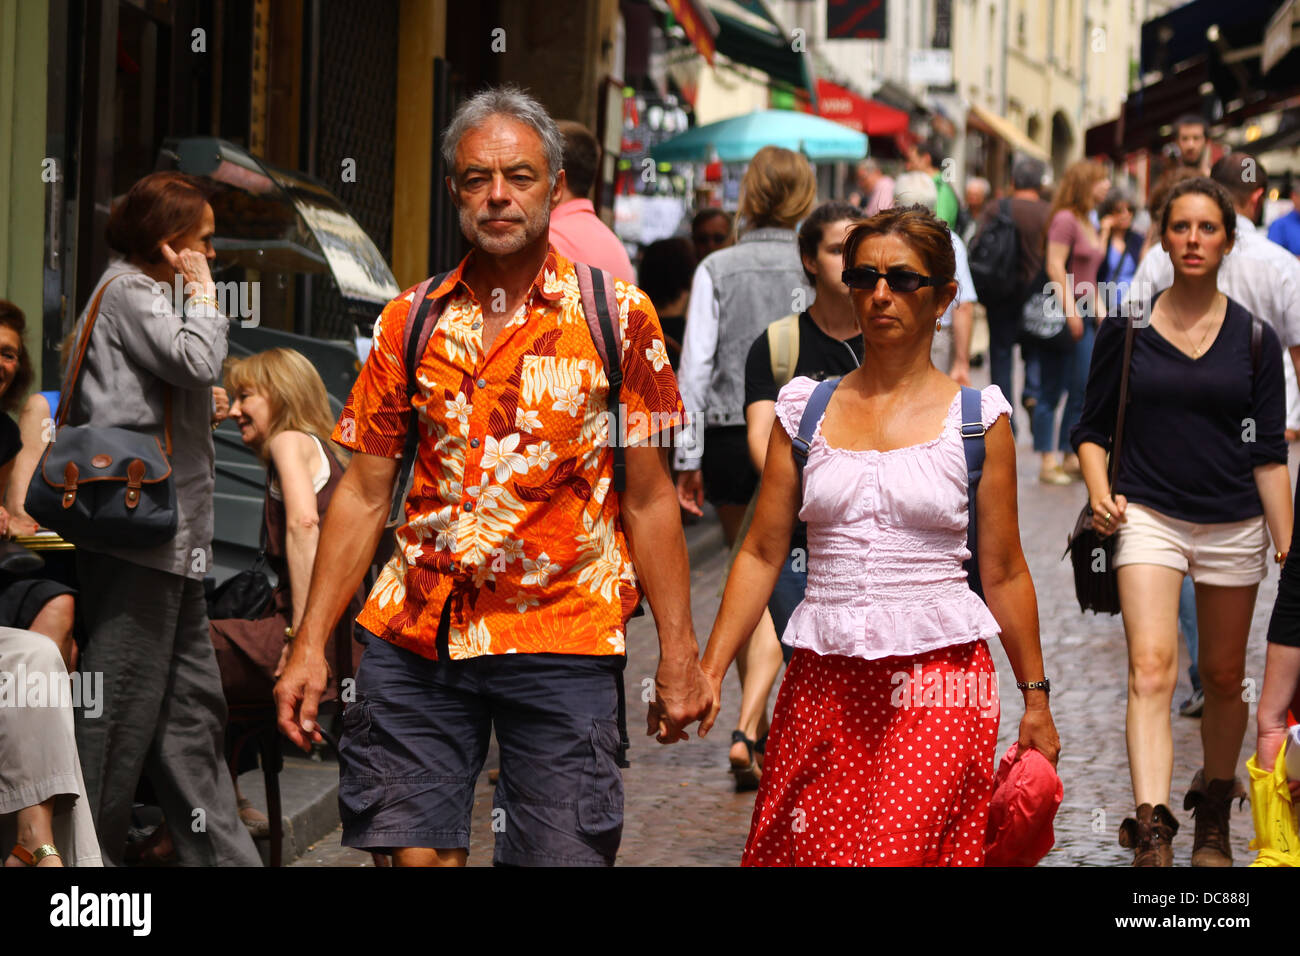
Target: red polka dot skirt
879, 763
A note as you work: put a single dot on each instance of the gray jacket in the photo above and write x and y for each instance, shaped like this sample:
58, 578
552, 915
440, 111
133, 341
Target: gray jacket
140, 342
753, 283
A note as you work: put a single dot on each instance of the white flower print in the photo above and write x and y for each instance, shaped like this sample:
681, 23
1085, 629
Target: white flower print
617, 641
538, 573
569, 400
523, 602
501, 459
473, 641
444, 524
527, 420
483, 574
390, 588
512, 549
657, 354
459, 408
540, 455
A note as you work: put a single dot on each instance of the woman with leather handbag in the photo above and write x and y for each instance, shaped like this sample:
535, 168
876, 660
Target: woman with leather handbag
145, 365
282, 409
1199, 484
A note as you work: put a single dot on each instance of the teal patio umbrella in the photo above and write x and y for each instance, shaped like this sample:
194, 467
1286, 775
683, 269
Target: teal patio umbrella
736, 140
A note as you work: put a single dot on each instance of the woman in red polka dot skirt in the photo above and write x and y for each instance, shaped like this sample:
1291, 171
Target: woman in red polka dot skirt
881, 749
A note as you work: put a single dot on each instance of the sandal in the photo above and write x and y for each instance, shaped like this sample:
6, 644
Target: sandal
747, 774
28, 858
259, 827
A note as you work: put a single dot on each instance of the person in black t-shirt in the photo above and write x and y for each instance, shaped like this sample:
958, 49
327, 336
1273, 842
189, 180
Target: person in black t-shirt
664, 274
822, 342
31, 604
1201, 482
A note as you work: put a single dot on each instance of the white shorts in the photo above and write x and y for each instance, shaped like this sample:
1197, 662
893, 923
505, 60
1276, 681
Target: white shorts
1232, 554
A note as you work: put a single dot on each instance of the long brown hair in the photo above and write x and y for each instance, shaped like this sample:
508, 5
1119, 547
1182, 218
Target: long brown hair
293, 389
1075, 191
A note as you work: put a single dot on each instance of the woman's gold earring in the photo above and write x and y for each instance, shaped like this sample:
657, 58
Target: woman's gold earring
938, 325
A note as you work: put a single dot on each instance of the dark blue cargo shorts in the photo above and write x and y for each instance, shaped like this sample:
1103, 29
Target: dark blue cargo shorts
416, 737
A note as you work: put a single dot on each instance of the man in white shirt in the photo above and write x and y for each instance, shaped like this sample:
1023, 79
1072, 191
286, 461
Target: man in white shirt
950, 351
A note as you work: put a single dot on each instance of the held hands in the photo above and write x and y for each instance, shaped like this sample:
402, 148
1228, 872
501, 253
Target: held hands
192, 266
298, 693
683, 694
690, 491
1104, 505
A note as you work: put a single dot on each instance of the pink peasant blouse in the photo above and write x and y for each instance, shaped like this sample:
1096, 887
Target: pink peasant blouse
886, 542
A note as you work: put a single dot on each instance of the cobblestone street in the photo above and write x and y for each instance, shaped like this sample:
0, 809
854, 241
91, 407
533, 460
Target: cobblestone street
681, 808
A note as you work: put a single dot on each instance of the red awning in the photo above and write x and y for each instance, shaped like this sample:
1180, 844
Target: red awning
856, 112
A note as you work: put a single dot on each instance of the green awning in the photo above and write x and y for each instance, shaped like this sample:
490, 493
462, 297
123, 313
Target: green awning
749, 34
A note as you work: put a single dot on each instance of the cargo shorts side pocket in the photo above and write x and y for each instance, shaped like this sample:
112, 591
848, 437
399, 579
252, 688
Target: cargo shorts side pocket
360, 784
600, 801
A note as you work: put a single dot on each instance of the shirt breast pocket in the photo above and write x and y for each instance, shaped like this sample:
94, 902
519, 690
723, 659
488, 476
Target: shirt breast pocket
562, 400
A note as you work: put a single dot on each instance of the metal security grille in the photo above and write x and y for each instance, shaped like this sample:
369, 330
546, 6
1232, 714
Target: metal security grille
357, 121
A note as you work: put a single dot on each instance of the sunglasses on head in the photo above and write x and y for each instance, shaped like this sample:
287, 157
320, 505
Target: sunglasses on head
898, 280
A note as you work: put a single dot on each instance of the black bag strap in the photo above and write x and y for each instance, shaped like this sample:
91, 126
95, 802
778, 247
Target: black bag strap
1127, 367
597, 289
415, 338
972, 439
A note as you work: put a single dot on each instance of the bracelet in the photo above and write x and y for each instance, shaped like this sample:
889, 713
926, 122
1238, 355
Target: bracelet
209, 299
1044, 685
1280, 556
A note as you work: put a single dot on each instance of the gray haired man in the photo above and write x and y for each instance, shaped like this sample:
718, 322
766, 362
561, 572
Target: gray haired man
505, 605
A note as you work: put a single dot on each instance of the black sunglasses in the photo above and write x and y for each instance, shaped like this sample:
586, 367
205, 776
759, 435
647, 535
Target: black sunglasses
899, 280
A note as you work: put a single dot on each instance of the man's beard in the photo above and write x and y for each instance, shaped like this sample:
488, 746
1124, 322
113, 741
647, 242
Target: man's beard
503, 245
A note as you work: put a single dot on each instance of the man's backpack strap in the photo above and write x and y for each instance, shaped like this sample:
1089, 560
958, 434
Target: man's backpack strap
801, 444
972, 435
600, 306
783, 348
415, 338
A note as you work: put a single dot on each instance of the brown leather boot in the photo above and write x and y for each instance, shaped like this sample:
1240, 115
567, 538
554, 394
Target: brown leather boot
1211, 805
1150, 836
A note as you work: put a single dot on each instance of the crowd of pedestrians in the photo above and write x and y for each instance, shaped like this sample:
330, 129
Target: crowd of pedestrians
810, 363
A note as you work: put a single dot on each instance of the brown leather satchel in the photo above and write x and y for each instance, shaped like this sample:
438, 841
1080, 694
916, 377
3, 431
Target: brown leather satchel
110, 486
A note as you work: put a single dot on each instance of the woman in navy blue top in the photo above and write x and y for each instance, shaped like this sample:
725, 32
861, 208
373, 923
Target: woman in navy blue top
1202, 472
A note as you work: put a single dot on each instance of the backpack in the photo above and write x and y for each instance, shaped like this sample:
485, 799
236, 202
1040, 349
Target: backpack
994, 257
783, 348
972, 433
598, 305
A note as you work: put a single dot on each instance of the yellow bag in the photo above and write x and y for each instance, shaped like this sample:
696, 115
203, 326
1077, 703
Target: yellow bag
1276, 835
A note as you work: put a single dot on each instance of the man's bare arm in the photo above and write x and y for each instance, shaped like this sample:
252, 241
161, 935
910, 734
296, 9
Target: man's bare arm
653, 525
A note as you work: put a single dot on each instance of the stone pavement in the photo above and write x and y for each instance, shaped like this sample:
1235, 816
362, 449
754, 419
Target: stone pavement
680, 805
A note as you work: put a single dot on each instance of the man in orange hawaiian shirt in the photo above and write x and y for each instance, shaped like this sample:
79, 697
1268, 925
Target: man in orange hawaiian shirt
505, 603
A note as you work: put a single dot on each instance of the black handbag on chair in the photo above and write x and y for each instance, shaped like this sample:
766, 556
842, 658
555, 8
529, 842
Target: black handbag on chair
111, 486
1096, 585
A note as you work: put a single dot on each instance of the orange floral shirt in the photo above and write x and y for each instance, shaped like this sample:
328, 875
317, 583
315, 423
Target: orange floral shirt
511, 517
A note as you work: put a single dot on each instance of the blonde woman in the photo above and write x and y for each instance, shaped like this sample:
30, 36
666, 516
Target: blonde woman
737, 292
280, 405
